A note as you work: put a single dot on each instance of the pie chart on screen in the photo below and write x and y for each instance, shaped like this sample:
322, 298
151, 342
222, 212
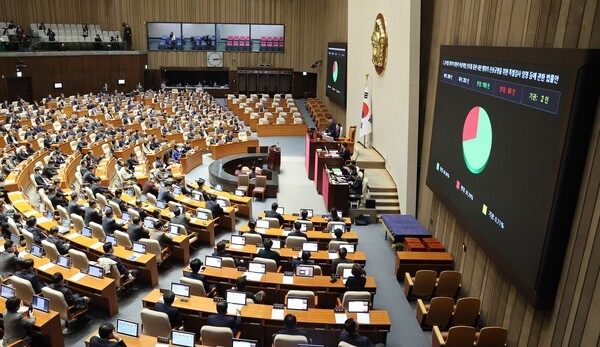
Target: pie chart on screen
477, 139
334, 72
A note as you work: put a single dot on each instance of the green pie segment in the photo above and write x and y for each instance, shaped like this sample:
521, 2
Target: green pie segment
477, 140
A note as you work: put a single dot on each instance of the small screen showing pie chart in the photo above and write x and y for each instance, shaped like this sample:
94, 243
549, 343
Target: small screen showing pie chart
477, 139
334, 72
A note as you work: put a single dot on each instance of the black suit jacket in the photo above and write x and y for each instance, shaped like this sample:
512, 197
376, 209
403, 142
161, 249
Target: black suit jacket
74, 207
110, 225
172, 312
216, 210
39, 180
122, 204
70, 298
356, 339
223, 320
141, 212
60, 246
165, 196
32, 278
275, 214
96, 341
92, 215
137, 232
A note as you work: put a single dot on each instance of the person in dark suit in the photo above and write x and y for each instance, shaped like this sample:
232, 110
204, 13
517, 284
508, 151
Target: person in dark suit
117, 200
297, 231
88, 176
8, 259
166, 307
109, 224
63, 248
331, 126
27, 273
290, 328
74, 207
138, 208
80, 302
49, 172
274, 214
16, 325
344, 152
40, 180
221, 319
240, 286
356, 186
214, 207
268, 253
342, 253
195, 266
38, 235
180, 219
91, 215
106, 333
136, 231
132, 162
357, 281
303, 260
151, 187
351, 336
166, 194
135, 273
98, 189
56, 199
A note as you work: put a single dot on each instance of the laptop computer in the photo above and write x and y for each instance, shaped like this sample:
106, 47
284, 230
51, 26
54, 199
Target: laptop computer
95, 271
128, 328
86, 231
182, 338
295, 303
310, 246
347, 272
222, 203
350, 247
235, 301
213, 261
36, 251
237, 240
239, 192
41, 304
111, 239
196, 195
63, 261
180, 289
149, 222
358, 306
305, 271
15, 239
125, 216
143, 199
257, 267
50, 214
280, 210
139, 247
219, 188
161, 204
176, 190
202, 215
244, 343
64, 227
174, 230
262, 225
7, 292
130, 192
276, 244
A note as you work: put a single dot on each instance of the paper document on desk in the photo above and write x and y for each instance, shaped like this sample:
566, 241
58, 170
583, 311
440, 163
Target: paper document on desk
24, 309
285, 233
134, 257
288, 279
340, 318
261, 230
333, 255
277, 314
186, 199
162, 345
253, 276
97, 245
236, 247
45, 267
42, 220
76, 277
72, 236
232, 308
363, 318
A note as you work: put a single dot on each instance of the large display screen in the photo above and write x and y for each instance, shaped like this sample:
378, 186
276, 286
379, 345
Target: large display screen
507, 151
336, 72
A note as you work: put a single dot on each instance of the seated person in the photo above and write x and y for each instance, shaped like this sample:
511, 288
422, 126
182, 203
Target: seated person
117, 200
166, 307
342, 253
274, 214
356, 186
109, 224
337, 233
350, 335
195, 266
221, 319
304, 215
129, 274
8, 259
252, 226
16, 325
240, 286
357, 281
74, 207
136, 231
27, 273
58, 284
303, 260
91, 215
220, 252
297, 231
214, 207
290, 328
157, 233
266, 252
344, 152
333, 216
107, 332
62, 248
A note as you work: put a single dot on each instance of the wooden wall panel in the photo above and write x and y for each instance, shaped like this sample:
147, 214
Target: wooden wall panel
575, 318
77, 73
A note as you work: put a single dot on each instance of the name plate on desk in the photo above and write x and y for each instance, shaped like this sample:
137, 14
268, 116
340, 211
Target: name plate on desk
71, 236
288, 280
76, 277
277, 314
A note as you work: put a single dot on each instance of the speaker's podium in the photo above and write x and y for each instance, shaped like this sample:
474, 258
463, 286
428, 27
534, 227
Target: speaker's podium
274, 158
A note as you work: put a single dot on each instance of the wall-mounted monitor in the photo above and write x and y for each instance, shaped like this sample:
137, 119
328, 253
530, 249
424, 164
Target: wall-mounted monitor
337, 53
121, 82
509, 142
57, 85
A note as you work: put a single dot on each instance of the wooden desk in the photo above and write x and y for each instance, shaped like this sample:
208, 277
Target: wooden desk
322, 159
322, 258
264, 130
19, 178
311, 144
319, 221
242, 203
412, 262
103, 292
48, 324
140, 341
191, 161
322, 238
231, 148
258, 324
335, 194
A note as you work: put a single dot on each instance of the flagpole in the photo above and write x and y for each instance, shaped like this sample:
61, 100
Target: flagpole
366, 85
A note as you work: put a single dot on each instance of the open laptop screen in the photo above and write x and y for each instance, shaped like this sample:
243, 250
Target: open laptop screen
257, 267
236, 298
180, 289
310, 246
305, 271
294, 303
7, 292
181, 338
95, 271
128, 328
212, 261
358, 306
310, 212
41, 304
